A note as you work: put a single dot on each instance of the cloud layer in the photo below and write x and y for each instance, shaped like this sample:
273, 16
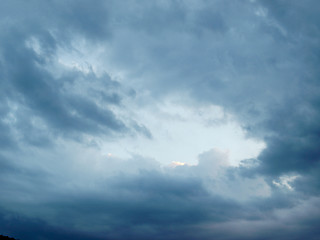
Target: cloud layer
80, 80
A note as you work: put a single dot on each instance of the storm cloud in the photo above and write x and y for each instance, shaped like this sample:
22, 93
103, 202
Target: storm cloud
159, 120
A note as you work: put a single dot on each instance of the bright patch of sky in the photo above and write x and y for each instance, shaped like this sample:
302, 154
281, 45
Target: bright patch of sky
180, 130
180, 133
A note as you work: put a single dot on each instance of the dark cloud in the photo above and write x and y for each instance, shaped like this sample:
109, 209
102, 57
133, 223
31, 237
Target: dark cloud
27, 228
43, 94
39, 102
258, 60
162, 206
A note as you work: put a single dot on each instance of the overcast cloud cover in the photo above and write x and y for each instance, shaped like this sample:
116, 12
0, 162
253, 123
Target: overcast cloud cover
160, 119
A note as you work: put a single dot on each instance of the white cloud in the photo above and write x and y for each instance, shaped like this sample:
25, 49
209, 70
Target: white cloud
285, 181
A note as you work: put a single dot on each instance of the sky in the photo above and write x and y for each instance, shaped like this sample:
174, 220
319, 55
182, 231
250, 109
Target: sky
180, 119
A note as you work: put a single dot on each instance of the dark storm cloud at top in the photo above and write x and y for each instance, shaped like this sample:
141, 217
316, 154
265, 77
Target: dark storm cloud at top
258, 60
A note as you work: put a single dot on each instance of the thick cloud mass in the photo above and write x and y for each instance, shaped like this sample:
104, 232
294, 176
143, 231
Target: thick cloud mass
78, 78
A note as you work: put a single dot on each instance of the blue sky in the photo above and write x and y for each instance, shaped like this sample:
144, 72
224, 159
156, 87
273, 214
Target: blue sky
160, 119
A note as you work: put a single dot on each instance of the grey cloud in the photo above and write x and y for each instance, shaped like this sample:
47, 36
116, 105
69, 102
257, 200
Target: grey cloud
148, 203
34, 92
22, 227
63, 18
159, 205
257, 59
261, 66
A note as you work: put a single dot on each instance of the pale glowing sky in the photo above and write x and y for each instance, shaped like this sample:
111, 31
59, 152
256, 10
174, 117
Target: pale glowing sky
172, 123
